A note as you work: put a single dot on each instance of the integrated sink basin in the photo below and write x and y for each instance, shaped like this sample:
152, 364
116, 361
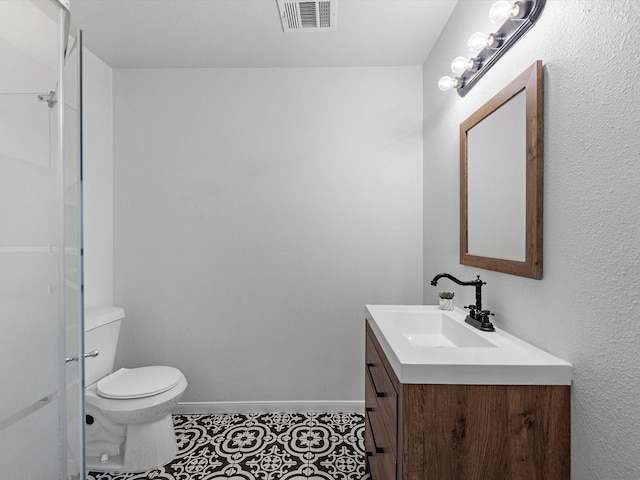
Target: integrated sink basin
426, 345
437, 330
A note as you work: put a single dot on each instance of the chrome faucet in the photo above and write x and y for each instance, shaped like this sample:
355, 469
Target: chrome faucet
477, 317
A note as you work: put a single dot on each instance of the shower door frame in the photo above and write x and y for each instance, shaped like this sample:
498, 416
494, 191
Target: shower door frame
70, 259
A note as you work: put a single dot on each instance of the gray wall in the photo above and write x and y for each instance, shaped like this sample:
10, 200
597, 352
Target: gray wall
585, 309
256, 212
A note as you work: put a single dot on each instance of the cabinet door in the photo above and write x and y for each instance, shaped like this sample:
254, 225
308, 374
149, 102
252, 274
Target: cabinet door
384, 391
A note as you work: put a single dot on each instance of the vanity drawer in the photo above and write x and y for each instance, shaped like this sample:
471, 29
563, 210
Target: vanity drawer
384, 392
369, 447
382, 460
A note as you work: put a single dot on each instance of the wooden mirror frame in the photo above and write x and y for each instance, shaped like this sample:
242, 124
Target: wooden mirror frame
531, 82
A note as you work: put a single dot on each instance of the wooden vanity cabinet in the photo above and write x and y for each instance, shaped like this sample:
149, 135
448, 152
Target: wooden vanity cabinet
462, 432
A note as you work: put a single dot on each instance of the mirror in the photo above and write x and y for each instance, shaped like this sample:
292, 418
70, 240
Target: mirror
501, 180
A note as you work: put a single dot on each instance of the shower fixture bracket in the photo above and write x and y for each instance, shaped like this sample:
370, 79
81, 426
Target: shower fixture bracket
49, 97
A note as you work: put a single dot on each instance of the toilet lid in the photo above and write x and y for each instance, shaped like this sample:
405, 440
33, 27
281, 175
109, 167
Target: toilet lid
138, 382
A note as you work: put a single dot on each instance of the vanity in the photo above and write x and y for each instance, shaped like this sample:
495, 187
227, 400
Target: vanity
446, 401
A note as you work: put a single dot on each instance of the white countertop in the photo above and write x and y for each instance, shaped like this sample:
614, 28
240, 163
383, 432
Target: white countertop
505, 360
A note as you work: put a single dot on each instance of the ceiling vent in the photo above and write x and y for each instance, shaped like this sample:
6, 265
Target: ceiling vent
307, 16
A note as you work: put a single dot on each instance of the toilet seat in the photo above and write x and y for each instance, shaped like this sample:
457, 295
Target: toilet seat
138, 382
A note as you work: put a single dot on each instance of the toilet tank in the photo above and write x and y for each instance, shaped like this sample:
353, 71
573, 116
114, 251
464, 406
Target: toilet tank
101, 330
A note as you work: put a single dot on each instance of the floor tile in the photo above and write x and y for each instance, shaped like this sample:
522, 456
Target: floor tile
267, 446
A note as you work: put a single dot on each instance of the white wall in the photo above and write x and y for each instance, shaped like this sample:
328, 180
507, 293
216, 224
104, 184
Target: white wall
256, 212
585, 309
98, 181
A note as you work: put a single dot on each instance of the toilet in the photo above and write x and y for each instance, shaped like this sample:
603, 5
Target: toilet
128, 426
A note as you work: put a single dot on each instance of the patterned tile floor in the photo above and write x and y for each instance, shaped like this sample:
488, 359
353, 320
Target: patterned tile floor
263, 446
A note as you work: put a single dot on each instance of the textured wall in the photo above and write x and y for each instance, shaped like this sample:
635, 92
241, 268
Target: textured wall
256, 212
585, 309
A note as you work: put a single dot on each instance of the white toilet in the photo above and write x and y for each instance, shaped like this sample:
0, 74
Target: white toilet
128, 425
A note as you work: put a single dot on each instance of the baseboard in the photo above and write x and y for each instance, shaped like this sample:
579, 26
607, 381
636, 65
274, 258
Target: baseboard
324, 406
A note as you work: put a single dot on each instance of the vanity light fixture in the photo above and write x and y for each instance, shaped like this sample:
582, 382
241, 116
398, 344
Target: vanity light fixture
517, 18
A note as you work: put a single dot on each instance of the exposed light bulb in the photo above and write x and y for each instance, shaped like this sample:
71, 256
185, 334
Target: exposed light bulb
478, 41
502, 10
461, 65
446, 83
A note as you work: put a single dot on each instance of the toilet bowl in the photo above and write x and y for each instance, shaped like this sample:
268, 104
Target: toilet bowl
128, 425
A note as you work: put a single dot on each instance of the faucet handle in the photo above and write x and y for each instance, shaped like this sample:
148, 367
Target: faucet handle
472, 310
483, 316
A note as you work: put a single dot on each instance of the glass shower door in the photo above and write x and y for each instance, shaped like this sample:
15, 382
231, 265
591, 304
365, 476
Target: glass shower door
40, 249
71, 183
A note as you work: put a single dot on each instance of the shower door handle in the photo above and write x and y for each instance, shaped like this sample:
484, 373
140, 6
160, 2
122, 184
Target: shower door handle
91, 354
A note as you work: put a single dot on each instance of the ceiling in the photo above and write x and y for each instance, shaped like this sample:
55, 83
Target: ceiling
248, 33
